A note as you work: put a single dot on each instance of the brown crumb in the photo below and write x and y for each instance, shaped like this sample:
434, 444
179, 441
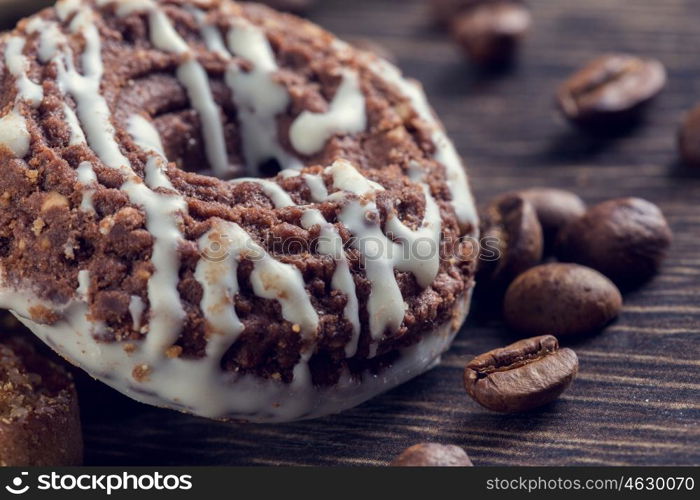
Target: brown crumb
38, 226
54, 200
43, 315
5, 199
31, 175
173, 351
141, 373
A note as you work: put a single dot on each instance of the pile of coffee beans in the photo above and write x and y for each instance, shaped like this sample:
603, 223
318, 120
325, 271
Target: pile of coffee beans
488, 31
624, 239
551, 264
616, 244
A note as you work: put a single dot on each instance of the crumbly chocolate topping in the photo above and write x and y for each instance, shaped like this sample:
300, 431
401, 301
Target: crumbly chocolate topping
30, 383
47, 237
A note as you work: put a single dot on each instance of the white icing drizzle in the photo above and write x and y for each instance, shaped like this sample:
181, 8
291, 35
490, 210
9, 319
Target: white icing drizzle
416, 251
258, 97
274, 280
136, 309
163, 33
191, 75
279, 197
446, 154
346, 115
424, 257
49, 39
270, 278
14, 134
161, 221
195, 79
331, 244
317, 187
145, 135
13, 126
64, 8
17, 65
77, 136
219, 280
386, 307
381, 255
289, 172
83, 284
347, 178
87, 177
93, 115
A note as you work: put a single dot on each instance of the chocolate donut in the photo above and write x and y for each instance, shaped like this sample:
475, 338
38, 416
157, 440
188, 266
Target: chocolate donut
225, 210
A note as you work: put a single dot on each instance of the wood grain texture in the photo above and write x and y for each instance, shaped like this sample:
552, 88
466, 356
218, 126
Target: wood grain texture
637, 398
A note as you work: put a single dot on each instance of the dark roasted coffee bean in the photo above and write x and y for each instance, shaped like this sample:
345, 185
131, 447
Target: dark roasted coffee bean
565, 299
511, 241
611, 90
432, 455
689, 138
555, 209
522, 376
490, 32
626, 239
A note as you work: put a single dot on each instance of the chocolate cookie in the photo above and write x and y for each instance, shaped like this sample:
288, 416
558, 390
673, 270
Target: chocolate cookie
138, 239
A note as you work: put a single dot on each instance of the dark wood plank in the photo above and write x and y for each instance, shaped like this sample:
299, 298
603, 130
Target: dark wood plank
637, 399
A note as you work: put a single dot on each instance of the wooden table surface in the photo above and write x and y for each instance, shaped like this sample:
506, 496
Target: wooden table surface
637, 397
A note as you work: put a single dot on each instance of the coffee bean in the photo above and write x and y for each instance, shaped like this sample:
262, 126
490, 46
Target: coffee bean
511, 241
521, 376
432, 455
626, 239
611, 90
555, 209
490, 32
689, 138
565, 299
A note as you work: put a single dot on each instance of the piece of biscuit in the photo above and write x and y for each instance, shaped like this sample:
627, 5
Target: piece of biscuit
39, 417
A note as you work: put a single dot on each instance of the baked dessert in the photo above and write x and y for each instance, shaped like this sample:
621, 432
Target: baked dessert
223, 209
39, 418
